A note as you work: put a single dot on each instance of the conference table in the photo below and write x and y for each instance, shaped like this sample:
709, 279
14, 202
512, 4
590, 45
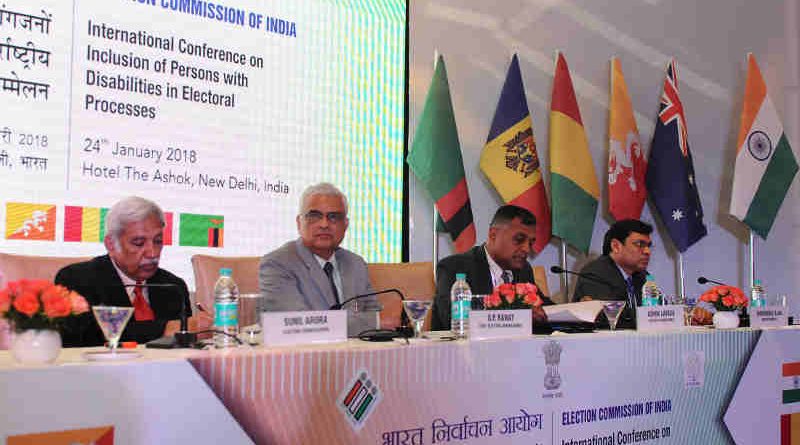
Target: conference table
691, 386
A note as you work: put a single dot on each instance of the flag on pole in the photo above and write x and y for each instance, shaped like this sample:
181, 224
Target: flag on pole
573, 181
670, 171
435, 158
626, 163
765, 163
509, 158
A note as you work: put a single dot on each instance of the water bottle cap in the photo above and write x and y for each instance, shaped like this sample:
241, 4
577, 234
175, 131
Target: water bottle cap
756, 282
225, 271
461, 276
650, 277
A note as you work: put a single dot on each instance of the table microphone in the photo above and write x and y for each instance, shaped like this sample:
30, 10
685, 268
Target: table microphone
704, 280
183, 338
403, 329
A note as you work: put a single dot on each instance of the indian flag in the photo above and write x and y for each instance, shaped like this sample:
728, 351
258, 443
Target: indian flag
573, 181
765, 162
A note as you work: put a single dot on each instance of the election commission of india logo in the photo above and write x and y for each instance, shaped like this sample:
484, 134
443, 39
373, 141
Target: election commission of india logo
521, 154
552, 358
103, 435
359, 399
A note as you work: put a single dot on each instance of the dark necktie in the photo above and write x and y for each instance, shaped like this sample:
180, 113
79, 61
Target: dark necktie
631, 295
507, 277
329, 272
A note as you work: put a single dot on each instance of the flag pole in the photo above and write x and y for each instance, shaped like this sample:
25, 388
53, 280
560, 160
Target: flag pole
751, 255
564, 279
682, 288
433, 205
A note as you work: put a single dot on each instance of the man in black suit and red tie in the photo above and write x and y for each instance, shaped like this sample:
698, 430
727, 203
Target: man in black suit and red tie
502, 259
127, 276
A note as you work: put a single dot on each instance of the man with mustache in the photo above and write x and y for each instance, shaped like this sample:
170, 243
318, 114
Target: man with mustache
313, 272
134, 238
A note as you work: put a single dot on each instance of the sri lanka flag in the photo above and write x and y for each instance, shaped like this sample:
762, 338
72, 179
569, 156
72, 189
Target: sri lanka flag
201, 230
670, 171
626, 162
573, 181
26, 221
509, 158
435, 158
765, 163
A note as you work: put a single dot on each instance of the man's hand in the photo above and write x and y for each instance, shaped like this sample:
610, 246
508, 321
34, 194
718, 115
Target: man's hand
586, 298
701, 317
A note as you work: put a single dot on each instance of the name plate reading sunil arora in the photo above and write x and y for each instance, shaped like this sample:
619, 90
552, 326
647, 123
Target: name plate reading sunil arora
303, 327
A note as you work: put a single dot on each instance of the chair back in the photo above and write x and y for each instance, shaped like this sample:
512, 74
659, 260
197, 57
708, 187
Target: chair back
540, 277
414, 280
206, 271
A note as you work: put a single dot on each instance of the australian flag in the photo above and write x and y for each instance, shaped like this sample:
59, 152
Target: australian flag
670, 172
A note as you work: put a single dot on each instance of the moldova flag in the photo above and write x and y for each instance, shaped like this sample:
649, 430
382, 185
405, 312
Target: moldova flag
573, 181
670, 171
510, 159
626, 162
201, 230
26, 221
765, 163
435, 158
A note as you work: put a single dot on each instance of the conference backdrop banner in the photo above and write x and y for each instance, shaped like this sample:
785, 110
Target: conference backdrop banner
599, 389
220, 112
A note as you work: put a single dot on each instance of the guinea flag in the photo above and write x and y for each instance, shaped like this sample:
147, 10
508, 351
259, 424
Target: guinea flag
201, 230
84, 224
510, 159
573, 181
435, 159
765, 163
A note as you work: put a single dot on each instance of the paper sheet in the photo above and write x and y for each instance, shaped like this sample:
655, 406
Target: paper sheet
584, 311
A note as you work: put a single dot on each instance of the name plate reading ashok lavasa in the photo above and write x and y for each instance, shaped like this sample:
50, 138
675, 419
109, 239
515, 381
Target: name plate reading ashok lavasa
303, 327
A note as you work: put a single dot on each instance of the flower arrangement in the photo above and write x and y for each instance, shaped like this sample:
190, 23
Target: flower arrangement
725, 298
39, 304
513, 296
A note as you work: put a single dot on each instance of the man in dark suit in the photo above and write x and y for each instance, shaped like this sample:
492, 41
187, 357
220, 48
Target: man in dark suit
127, 276
503, 258
622, 269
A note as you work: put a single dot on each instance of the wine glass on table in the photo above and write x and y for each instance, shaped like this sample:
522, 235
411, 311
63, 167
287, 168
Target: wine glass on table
416, 311
612, 310
112, 321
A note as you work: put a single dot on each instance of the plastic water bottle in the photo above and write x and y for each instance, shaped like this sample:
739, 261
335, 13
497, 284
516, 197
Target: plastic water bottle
758, 296
651, 293
226, 310
461, 301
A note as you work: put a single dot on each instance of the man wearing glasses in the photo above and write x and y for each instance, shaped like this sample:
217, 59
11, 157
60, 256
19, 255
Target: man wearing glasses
313, 272
621, 271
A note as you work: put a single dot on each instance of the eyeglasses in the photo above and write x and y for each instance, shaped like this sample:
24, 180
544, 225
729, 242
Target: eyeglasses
641, 244
315, 216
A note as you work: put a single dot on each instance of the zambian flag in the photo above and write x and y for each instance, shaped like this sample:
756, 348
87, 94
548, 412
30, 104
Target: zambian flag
88, 225
201, 230
435, 158
765, 163
573, 181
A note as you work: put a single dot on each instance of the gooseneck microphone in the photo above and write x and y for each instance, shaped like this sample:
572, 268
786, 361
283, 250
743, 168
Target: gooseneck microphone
704, 280
588, 276
183, 338
404, 325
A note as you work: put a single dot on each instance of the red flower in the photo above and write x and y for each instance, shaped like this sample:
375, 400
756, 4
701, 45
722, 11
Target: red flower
5, 301
27, 303
56, 302
492, 300
78, 303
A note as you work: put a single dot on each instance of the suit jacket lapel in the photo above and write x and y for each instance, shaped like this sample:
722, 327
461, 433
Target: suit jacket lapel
348, 287
116, 294
316, 273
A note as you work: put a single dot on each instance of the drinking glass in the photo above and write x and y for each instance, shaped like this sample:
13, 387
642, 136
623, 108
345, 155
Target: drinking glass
416, 311
112, 321
613, 309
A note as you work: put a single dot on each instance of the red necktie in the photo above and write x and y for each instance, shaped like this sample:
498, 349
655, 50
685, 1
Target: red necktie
141, 310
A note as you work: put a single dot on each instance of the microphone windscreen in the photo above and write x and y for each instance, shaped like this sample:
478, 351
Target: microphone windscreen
702, 280
556, 269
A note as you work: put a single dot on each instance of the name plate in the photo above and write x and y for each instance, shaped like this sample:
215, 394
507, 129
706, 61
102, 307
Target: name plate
301, 327
499, 324
656, 318
769, 317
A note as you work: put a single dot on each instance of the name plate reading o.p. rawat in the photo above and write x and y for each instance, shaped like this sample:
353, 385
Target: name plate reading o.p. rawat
656, 318
303, 327
768, 317
499, 323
